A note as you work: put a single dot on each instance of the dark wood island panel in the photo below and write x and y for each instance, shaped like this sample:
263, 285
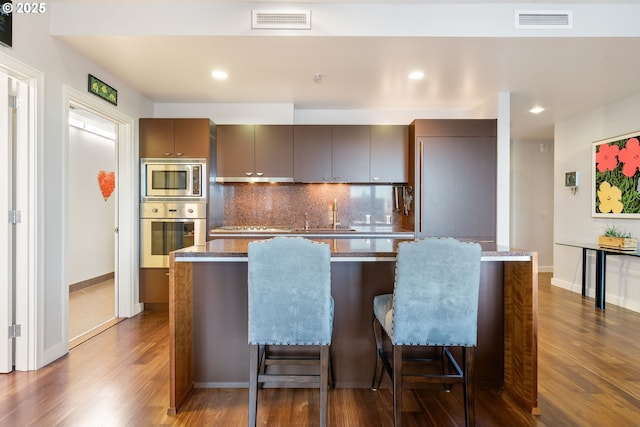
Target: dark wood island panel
208, 312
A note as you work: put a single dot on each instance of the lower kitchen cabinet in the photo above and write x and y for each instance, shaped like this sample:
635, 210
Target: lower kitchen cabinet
154, 285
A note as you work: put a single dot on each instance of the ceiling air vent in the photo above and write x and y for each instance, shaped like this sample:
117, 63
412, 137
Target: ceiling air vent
544, 19
281, 19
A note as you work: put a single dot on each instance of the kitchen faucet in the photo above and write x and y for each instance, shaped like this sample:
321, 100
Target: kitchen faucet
336, 223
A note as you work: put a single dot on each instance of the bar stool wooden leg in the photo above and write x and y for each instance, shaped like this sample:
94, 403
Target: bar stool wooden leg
468, 354
377, 376
324, 383
397, 386
254, 361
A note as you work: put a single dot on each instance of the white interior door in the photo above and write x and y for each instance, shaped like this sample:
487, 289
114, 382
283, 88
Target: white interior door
7, 229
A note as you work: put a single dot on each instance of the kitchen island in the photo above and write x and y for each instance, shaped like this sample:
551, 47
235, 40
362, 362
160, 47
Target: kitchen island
208, 315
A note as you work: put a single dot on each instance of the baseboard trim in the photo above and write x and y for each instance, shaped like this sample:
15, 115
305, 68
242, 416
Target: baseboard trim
89, 282
74, 342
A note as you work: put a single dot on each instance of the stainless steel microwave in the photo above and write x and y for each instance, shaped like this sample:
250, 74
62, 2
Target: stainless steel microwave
173, 179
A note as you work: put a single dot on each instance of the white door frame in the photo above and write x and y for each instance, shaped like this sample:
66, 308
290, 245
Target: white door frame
127, 258
29, 253
6, 232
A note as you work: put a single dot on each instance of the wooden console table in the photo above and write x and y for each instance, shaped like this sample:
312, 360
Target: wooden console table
601, 267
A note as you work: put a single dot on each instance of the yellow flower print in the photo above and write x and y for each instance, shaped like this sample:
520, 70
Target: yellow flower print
609, 197
104, 89
94, 87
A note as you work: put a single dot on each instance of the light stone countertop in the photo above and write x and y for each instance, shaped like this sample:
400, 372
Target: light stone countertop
342, 249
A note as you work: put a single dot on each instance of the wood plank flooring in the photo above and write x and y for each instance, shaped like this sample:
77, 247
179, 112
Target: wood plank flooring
589, 375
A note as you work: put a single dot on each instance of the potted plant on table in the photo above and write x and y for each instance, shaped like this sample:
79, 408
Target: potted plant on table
614, 238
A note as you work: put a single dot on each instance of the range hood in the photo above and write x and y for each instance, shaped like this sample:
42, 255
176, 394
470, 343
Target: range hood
228, 179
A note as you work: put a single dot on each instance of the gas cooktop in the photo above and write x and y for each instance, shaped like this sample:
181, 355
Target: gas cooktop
251, 228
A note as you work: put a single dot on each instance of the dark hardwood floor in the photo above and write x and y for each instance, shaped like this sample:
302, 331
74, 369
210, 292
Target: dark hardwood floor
589, 375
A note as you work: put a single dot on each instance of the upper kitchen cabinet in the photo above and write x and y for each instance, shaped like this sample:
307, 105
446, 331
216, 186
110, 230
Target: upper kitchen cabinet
312, 154
350, 154
187, 138
274, 151
353, 154
250, 153
389, 154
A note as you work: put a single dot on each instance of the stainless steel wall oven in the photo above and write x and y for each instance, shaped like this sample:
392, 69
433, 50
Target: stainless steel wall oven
167, 226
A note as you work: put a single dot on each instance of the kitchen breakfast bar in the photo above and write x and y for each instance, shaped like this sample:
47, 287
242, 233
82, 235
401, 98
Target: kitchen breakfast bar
208, 316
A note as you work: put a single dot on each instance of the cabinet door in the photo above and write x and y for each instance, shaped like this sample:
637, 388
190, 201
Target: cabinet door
350, 153
312, 153
458, 186
235, 151
154, 285
156, 137
389, 154
274, 151
191, 138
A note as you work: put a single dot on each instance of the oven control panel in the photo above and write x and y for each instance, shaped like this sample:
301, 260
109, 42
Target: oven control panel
178, 210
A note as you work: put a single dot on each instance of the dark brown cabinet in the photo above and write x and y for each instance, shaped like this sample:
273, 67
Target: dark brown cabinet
350, 154
187, 138
154, 285
389, 153
255, 152
312, 153
170, 138
235, 150
354, 154
453, 175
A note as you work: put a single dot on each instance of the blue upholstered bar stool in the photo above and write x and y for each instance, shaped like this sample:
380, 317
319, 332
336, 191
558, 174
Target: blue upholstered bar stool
434, 304
290, 304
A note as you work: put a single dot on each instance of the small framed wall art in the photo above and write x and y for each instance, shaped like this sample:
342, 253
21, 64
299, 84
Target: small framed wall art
6, 23
103, 90
616, 176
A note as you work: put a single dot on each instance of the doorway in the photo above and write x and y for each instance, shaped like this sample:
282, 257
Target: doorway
118, 189
91, 263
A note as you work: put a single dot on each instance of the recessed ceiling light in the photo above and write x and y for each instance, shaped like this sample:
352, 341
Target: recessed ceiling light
416, 75
536, 110
220, 75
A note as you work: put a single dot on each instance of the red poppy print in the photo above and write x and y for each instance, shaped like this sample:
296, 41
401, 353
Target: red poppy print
607, 157
630, 157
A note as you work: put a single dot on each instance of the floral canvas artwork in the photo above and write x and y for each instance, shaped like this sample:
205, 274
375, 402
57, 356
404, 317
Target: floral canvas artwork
616, 173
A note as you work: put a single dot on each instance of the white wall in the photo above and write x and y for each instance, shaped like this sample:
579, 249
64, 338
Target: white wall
532, 199
573, 220
91, 218
33, 45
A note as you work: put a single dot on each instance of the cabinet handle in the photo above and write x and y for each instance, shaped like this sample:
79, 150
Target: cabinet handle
167, 154
248, 173
260, 173
419, 211
179, 154
336, 178
376, 178
326, 178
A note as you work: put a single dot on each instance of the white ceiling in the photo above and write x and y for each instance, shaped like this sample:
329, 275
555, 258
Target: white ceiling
566, 75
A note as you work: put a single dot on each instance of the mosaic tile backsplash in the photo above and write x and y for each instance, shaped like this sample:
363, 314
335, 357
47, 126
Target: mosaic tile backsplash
286, 204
